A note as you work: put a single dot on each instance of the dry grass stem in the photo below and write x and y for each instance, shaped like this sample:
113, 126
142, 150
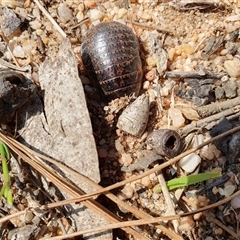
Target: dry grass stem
64, 185
29, 157
149, 221
49, 17
150, 27
212, 218
12, 66
169, 202
158, 168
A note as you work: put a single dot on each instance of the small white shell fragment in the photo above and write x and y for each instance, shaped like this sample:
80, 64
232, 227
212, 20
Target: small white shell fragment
177, 118
235, 202
134, 118
227, 191
190, 162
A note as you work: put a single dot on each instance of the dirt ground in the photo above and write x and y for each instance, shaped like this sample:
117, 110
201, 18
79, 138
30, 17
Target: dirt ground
190, 53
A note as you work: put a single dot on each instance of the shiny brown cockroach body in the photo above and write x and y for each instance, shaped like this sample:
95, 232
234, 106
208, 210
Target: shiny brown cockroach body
110, 54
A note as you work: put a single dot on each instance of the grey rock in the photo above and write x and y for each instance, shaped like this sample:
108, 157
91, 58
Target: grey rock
230, 88
219, 93
61, 128
10, 22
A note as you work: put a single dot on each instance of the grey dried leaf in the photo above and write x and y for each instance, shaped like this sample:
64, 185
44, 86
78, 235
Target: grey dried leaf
143, 162
134, 118
63, 129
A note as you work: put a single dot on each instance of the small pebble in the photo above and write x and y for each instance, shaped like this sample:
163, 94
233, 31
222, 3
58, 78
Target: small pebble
18, 52
146, 85
127, 191
90, 3
235, 202
230, 88
232, 67
227, 191
150, 76
155, 196
102, 153
126, 159
80, 16
190, 162
64, 12
145, 181
218, 231
84, 80
102, 141
9, 22
177, 118
186, 224
122, 12
95, 15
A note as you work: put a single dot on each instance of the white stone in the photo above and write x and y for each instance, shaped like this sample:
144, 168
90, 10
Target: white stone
190, 162
227, 190
235, 202
64, 12
80, 16
146, 85
127, 191
122, 12
177, 118
95, 15
232, 67
126, 159
18, 52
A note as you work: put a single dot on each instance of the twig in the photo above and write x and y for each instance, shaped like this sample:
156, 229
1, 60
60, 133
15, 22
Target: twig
159, 99
205, 121
150, 27
12, 66
80, 23
168, 199
49, 17
131, 223
200, 74
66, 186
158, 168
199, 44
91, 183
213, 218
214, 48
217, 107
150, 221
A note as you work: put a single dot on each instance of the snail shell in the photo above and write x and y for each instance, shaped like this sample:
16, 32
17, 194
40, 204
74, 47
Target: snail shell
165, 142
134, 118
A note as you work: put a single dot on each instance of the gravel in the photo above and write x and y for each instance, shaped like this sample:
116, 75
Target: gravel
171, 40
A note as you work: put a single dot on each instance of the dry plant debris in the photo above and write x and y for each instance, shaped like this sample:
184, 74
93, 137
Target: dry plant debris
191, 65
